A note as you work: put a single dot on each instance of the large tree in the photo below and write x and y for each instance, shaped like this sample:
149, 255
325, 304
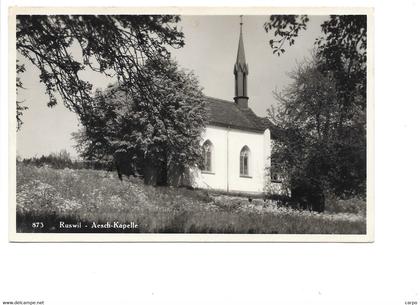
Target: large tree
322, 115
313, 149
143, 135
62, 46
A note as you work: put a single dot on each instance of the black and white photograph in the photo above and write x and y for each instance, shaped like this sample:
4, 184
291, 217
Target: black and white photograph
198, 127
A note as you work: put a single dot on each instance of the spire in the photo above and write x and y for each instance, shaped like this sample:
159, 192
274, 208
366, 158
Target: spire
240, 57
240, 71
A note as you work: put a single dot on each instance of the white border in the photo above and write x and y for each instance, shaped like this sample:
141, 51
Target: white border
149, 237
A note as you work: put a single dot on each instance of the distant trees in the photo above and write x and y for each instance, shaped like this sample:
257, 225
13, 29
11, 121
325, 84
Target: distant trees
62, 160
150, 134
322, 115
62, 46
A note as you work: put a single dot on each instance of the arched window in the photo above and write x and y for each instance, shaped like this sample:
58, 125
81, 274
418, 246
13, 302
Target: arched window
207, 156
244, 161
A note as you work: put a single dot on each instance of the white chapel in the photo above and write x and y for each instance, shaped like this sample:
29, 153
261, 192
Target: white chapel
236, 142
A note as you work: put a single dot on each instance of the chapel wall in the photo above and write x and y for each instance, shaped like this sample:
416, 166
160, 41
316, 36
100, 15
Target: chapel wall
225, 176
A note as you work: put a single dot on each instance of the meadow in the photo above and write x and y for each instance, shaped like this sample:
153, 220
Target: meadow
85, 196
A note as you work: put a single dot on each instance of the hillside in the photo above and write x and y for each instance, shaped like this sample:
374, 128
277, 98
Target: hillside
52, 200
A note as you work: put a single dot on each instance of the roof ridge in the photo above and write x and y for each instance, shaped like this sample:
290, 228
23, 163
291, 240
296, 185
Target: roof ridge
219, 99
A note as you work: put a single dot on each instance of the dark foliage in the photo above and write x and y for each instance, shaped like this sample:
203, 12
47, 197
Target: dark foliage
308, 193
19, 104
322, 115
287, 27
114, 45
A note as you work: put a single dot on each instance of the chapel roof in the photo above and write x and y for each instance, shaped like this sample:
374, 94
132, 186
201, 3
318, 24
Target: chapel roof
228, 114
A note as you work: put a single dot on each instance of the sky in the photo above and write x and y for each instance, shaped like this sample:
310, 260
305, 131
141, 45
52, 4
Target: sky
210, 49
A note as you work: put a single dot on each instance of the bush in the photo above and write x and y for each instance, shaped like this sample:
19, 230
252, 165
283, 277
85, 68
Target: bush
353, 205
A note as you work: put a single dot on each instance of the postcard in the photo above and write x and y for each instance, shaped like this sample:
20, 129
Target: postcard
191, 124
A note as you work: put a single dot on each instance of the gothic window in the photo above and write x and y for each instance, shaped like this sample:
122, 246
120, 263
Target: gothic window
244, 161
207, 156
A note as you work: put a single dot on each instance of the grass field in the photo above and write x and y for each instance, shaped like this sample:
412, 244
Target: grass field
85, 198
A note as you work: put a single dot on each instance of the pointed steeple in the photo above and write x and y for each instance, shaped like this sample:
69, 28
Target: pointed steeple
240, 56
240, 71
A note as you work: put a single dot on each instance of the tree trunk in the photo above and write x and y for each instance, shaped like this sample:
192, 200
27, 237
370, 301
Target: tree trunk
162, 178
156, 173
150, 173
